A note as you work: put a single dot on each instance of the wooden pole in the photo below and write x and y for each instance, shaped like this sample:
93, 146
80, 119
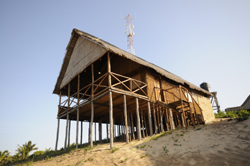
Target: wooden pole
57, 134
100, 131
150, 119
171, 119
162, 129
129, 126
166, 118
183, 114
68, 94
138, 119
77, 127
92, 107
110, 102
142, 124
158, 118
145, 124
107, 127
133, 131
81, 134
69, 133
95, 131
155, 122
66, 132
125, 117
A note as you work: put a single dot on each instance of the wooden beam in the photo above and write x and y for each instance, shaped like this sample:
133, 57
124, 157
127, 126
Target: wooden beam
171, 118
92, 107
81, 134
100, 131
77, 125
161, 120
155, 122
57, 133
142, 124
68, 94
110, 101
69, 133
150, 119
138, 120
66, 132
125, 117
132, 122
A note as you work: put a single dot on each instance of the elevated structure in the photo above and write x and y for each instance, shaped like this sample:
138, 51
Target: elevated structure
100, 83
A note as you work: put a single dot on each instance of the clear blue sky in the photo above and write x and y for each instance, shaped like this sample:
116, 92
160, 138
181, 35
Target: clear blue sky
206, 40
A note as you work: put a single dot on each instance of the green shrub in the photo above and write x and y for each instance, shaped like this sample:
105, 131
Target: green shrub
221, 114
243, 115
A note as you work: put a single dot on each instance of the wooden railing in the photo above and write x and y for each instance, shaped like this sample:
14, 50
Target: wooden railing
119, 82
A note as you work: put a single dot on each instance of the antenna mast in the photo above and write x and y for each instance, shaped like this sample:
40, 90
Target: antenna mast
129, 32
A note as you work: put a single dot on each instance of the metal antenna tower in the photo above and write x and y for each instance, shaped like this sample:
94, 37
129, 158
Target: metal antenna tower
129, 32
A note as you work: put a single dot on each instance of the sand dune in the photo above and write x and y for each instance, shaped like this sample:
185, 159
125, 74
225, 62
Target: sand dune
219, 143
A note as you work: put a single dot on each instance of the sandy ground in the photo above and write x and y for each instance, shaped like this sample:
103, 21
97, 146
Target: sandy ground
219, 143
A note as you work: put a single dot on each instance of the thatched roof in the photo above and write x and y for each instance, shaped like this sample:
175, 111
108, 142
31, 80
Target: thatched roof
109, 47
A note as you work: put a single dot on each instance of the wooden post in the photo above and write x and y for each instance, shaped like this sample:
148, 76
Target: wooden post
166, 118
138, 119
145, 124
89, 134
69, 133
114, 128
125, 117
92, 107
155, 122
95, 132
129, 127
183, 114
66, 132
158, 118
171, 119
100, 131
110, 101
162, 129
132, 122
81, 134
142, 124
107, 127
68, 94
77, 125
150, 119
57, 134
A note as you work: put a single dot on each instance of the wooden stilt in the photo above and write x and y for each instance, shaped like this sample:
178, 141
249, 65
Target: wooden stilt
110, 100
77, 125
69, 133
133, 128
89, 134
150, 119
155, 122
145, 124
125, 117
66, 133
114, 128
129, 127
57, 133
171, 119
161, 120
81, 134
92, 107
138, 119
107, 127
100, 131
166, 118
95, 132
158, 118
142, 124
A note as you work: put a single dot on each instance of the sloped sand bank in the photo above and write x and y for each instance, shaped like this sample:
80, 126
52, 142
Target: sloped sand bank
219, 143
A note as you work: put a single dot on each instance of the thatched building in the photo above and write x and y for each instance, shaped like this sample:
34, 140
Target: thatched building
104, 84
